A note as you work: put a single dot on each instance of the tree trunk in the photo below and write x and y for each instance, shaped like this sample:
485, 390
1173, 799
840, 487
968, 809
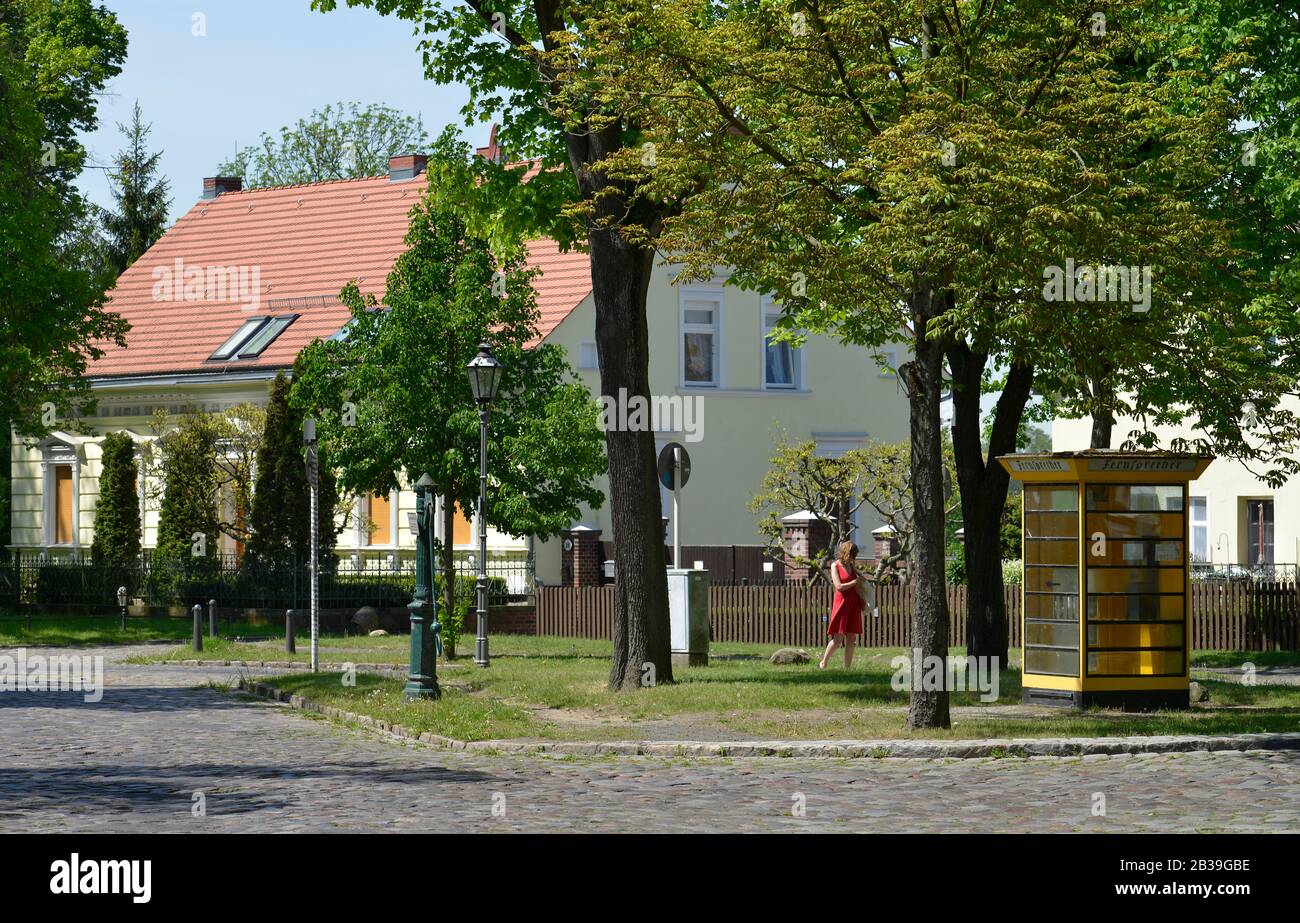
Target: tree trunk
620, 277
928, 707
984, 484
448, 573
1103, 419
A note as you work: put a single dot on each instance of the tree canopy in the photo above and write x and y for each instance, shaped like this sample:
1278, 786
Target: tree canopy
342, 141
55, 59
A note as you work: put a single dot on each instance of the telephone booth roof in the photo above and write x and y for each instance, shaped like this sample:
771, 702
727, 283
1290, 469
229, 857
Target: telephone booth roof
1105, 466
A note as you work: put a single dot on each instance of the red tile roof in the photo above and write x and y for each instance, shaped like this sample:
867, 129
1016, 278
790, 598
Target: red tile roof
300, 244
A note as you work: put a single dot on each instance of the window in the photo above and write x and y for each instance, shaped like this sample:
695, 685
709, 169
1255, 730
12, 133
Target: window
461, 530
781, 361
1259, 532
1200, 529
701, 319
63, 505
381, 520
587, 356
888, 359
253, 336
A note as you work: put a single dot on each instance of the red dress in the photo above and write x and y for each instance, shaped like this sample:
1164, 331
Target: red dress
846, 613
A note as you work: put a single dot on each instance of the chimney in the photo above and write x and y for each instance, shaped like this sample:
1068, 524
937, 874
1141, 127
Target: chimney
213, 186
406, 166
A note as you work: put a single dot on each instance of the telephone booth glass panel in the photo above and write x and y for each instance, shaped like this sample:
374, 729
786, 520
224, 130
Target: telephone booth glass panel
1136, 580
1051, 549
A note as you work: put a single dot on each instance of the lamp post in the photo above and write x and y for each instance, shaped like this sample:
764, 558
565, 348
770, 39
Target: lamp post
313, 478
422, 678
484, 379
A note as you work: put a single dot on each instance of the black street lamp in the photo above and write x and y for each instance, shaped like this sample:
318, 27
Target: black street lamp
484, 379
313, 479
422, 678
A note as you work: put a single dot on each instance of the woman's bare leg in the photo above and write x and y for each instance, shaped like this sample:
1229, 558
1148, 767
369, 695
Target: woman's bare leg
830, 649
848, 650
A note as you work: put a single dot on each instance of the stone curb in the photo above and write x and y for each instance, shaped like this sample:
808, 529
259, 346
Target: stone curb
813, 749
331, 667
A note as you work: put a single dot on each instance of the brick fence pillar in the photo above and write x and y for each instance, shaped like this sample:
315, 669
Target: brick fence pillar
802, 536
582, 563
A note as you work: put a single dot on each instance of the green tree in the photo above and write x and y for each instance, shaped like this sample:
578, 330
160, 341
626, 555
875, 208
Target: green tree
55, 59
922, 166
281, 502
117, 515
400, 369
835, 490
505, 54
140, 215
187, 520
336, 142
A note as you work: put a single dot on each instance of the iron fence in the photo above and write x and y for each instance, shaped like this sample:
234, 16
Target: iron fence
34, 580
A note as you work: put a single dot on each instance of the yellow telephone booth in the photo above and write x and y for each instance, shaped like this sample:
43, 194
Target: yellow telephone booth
1104, 610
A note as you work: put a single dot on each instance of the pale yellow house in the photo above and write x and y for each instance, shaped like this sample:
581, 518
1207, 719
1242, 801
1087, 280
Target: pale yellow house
232, 292
1234, 518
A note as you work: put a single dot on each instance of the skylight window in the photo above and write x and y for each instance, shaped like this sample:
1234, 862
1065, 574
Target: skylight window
253, 337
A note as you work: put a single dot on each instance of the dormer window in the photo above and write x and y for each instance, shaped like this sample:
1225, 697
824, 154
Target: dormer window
253, 337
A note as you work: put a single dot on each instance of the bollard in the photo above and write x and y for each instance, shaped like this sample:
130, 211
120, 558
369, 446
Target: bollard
212, 618
198, 627
288, 632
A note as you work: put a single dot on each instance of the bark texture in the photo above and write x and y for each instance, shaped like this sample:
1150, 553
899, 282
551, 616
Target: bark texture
620, 278
923, 378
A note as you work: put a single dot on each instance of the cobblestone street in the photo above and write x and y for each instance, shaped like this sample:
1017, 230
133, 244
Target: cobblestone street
134, 761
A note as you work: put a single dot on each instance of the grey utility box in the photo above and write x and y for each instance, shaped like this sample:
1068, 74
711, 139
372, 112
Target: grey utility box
688, 616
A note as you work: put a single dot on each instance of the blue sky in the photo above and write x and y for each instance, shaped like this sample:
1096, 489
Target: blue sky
261, 65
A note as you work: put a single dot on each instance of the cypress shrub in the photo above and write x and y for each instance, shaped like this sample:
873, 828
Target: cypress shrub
117, 517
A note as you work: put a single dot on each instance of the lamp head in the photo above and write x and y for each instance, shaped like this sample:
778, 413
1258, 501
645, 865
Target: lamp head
484, 373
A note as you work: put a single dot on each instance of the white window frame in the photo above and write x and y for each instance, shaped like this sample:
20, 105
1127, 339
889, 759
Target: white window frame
701, 293
891, 359
1193, 525
583, 363
769, 306
56, 452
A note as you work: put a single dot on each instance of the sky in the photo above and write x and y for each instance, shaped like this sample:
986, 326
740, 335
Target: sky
261, 65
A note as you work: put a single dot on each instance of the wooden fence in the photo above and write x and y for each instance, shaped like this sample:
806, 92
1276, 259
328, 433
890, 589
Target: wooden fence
1234, 616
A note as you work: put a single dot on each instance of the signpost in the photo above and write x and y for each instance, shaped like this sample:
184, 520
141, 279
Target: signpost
674, 471
688, 589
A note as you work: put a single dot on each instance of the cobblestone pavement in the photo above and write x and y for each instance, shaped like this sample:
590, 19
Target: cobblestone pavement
133, 762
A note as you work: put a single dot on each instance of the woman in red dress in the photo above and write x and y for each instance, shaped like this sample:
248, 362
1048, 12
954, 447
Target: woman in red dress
846, 614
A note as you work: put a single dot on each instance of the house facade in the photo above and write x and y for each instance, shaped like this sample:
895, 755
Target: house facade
247, 278
1236, 521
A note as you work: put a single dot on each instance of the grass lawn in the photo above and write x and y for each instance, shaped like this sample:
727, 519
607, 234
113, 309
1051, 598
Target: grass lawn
107, 630
564, 697
554, 688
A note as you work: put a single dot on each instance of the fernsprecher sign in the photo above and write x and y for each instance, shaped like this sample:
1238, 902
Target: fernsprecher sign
1039, 464
1142, 464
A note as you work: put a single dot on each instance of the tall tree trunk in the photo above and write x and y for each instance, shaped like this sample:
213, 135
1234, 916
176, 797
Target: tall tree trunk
1103, 418
924, 380
448, 572
984, 484
620, 278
